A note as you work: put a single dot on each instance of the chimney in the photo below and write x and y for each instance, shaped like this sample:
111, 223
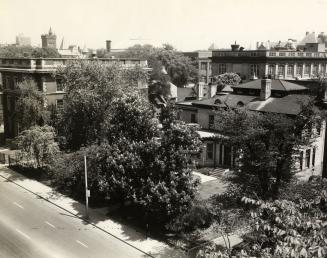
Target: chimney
212, 90
307, 33
257, 45
235, 47
108, 46
200, 90
265, 91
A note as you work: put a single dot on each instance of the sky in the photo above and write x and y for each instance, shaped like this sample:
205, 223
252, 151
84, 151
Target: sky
186, 24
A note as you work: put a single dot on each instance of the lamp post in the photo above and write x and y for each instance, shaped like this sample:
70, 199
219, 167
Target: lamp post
87, 191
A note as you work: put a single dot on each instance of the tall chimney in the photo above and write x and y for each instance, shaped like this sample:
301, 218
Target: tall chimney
235, 47
265, 91
108, 46
200, 90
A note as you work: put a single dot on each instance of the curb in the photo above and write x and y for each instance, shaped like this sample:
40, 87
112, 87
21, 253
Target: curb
80, 217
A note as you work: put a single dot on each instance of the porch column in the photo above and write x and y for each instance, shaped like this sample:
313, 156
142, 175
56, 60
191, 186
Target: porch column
294, 71
303, 69
285, 70
311, 70
266, 70
276, 71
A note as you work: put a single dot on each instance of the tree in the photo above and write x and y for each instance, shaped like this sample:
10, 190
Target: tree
290, 229
267, 145
180, 68
90, 89
30, 106
230, 79
28, 52
37, 146
138, 163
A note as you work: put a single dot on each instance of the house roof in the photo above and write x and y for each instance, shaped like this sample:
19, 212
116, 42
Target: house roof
277, 85
309, 38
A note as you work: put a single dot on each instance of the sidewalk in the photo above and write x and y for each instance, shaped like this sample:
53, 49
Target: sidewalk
97, 216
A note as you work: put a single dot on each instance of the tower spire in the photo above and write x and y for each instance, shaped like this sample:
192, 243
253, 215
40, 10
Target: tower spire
50, 31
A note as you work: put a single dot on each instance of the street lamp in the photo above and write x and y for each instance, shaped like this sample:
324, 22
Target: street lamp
87, 191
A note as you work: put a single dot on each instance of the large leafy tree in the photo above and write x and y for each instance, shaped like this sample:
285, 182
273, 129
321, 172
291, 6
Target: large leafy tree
90, 90
266, 145
138, 162
30, 106
180, 68
37, 146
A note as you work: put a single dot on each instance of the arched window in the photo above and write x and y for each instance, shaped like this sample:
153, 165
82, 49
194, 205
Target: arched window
240, 104
218, 102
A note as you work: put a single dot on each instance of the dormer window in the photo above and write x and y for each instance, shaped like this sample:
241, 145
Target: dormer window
218, 102
240, 104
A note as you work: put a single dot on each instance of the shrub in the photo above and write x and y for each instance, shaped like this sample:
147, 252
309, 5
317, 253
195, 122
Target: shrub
199, 216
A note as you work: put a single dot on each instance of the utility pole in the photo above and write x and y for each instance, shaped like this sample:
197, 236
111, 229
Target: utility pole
87, 191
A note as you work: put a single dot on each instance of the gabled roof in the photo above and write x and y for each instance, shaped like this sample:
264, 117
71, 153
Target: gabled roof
309, 38
277, 85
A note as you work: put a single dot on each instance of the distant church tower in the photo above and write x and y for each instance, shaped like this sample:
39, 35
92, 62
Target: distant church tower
49, 40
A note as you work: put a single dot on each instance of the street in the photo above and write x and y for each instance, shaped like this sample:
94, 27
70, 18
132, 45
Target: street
33, 227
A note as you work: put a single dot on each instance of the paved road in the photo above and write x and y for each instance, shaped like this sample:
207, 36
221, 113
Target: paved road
32, 227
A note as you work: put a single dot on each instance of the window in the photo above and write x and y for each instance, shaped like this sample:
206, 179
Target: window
291, 54
193, 118
282, 54
307, 158
290, 70
60, 104
272, 53
299, 69
254, 70
300, 54
313, 156
211, 121
60, 86
315, 69
281, 69
271, 70
240, 104
222, 68
301, 160
210, 151
218, 102
203, 66
306, 69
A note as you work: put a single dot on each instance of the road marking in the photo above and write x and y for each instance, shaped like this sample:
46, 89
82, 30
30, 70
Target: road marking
23, 234
48, 223
82, 244
18, 205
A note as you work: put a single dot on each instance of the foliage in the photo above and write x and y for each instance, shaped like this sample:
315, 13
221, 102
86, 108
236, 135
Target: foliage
285, 228
90, 89
230, 79
266, 145
37, 147
199, 216
180, 68
27, 52
137, 162
30, 106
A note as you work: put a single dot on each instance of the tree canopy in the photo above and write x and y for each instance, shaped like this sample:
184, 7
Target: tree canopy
27, 52
267, 145
91, 88
30, 106
180, 68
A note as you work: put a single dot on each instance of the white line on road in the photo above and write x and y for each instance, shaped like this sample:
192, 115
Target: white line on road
23, 234
82, 244
18, 205
48, 223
